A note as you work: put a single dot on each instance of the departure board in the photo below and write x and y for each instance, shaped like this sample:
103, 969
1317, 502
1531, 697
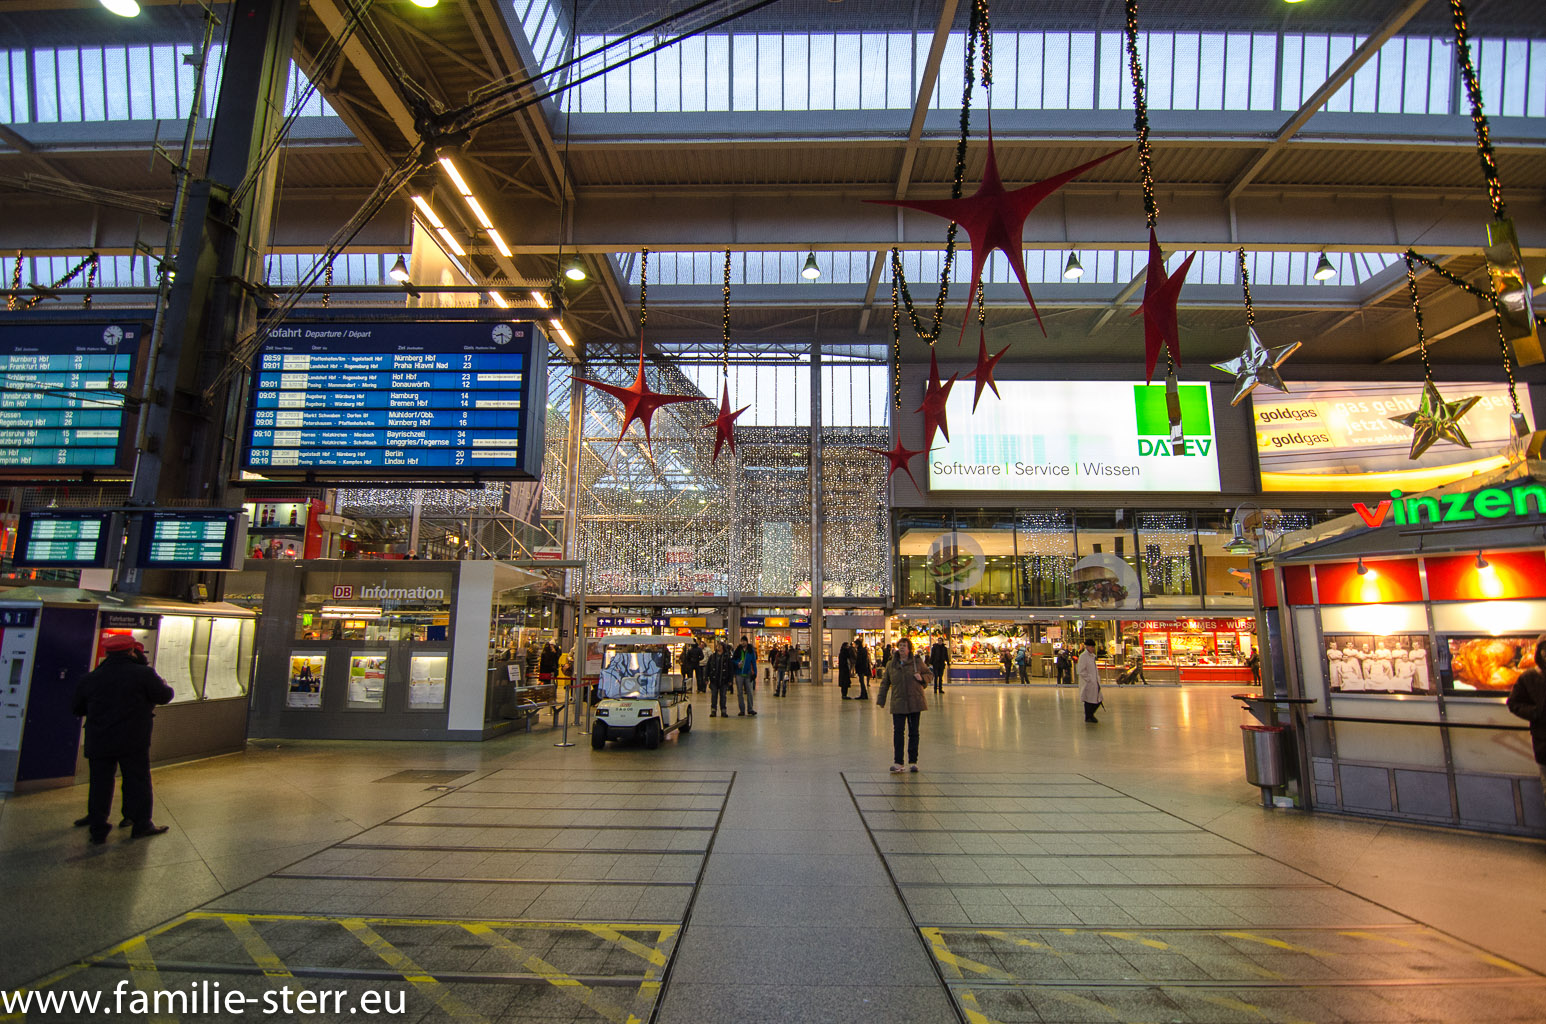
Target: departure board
364, 400
62, 390
193, 539
65, 538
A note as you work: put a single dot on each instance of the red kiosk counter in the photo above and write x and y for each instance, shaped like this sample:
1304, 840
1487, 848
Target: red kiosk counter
1403, 627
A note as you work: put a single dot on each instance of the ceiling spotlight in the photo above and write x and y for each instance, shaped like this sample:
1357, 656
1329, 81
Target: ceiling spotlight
1481, 563
575, 270
810, 271
122, 8
1072, 269
1363, 570
433, 3
1324, 271
399, 271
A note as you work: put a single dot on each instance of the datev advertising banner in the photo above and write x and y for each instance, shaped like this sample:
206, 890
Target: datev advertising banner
1339, 436
1075, 436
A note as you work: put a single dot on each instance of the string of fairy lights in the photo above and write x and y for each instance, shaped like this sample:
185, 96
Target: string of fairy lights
1245, 284
1141, 117
1417, 312
1473, 91
90, 263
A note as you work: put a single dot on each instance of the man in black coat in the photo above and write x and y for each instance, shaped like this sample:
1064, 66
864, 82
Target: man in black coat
939, 657
692, 664
1528, 701
118, 699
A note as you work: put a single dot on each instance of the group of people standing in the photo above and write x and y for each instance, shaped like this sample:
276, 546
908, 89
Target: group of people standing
853, 663
726, 669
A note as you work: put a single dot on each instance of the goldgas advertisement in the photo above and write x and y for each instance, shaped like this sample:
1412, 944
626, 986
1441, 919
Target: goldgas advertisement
1075, 436
1340, 436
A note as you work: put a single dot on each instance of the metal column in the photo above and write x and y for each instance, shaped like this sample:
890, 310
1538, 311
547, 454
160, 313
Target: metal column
218, 252
818, 580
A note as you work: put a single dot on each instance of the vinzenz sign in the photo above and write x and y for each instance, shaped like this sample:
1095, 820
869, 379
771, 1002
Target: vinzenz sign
1526, 502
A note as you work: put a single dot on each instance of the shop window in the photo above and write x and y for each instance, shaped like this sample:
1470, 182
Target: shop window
1106, 573
1227, 580
1044, 542
988, 540
923, 565
1168, 559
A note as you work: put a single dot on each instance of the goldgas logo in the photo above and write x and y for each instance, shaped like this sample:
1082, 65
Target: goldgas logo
1153, 420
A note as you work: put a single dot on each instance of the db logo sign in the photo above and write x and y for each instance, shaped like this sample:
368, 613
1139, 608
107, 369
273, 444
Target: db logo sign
343, 591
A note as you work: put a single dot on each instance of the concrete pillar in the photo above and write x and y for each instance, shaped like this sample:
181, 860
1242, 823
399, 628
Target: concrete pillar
818, 582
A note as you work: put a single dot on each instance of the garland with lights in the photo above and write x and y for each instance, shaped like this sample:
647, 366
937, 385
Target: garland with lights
12, 299
724, 327
978, 35
327, 284
91, 280
1245, 283
90, 262
1473, 91
1417, 313
1141, 117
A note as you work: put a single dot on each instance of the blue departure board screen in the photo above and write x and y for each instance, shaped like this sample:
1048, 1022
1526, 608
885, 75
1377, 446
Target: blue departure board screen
66, 538
62, 391
193, 539
349, 399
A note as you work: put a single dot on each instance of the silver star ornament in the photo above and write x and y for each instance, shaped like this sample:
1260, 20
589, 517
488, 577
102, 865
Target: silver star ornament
1257, 365
1436, 420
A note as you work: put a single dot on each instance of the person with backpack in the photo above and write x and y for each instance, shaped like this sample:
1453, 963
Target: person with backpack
746, 678
1022, 662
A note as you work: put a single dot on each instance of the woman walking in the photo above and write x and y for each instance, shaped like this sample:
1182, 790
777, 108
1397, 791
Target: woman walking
862, 668
845, 668
906, 681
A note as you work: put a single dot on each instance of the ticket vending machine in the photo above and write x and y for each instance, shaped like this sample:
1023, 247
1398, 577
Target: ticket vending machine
44, 649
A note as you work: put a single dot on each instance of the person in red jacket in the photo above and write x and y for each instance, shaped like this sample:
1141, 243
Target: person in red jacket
118, 700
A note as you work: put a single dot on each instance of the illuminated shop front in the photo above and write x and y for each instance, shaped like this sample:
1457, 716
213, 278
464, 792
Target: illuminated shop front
1404, 626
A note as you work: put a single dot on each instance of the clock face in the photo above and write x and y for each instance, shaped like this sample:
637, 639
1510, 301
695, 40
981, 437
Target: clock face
113, 335
502, 334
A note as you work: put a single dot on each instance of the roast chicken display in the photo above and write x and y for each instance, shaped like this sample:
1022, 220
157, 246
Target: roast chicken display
1490, 663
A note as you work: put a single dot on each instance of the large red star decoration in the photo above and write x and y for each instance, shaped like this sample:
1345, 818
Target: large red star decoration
934, 399
994, 217
639, 402
724, 423
983, 374
1160, 294
899, 457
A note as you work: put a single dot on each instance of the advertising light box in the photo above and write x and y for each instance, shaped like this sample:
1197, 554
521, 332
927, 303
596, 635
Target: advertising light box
1075, 436
1338, 436
368, 400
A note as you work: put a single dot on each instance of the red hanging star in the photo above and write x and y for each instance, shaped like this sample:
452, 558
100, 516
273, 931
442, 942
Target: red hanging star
724, 423
1160, 295
639, 402
994, 217
934, 399
899, 457
983, 374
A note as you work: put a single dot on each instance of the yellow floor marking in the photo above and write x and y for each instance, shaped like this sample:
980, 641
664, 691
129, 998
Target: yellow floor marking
558, 979
1377, 938
1027, 943
1230, 1003
1274, 943
1133, 937
637, 948
262, 954
411, 972
1078, 1000
973, 1009
1483, 955
143, 970
943, 954
68, 970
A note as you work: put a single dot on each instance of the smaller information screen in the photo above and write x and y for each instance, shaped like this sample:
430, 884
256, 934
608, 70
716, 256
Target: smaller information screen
73, 539
206, 539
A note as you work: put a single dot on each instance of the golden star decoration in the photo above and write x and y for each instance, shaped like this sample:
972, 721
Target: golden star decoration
1257, 366
1435, 420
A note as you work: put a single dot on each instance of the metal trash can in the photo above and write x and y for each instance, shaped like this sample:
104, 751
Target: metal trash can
1263, 754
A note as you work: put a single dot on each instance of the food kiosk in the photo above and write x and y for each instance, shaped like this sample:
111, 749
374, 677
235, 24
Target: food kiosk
1402, 627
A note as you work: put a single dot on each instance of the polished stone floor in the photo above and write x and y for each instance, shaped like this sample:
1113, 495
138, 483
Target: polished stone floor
771, 869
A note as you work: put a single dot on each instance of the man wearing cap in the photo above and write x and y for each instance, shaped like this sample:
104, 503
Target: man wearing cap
117, 699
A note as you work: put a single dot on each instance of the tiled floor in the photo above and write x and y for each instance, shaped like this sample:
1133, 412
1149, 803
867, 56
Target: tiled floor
770, 869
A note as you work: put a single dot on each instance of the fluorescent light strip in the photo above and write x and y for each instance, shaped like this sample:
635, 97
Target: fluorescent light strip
499, 243
451, 242
477, 211
540, 299
456, 176
559, 328
499, 300
428, 212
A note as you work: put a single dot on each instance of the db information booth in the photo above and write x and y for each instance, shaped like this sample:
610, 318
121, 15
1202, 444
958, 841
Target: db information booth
1402, 627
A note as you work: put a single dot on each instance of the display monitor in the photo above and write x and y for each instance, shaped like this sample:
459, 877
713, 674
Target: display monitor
63, 387
1075, 436
367, 400
65, 538
213, 539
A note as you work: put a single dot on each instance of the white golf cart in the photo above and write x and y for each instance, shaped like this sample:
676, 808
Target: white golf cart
637, 699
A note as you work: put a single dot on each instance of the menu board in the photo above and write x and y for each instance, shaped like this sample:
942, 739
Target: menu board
1340, 436
201, 539
62, 389
366, 400
64, 538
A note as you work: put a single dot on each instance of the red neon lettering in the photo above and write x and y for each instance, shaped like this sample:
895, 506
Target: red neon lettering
1374, 518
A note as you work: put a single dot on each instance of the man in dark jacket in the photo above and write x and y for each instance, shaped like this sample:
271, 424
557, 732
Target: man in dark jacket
692, 664
721, 678
117, 699
939, 657
1528, 701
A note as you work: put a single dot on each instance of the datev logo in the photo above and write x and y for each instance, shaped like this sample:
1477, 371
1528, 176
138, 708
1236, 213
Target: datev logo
1153, 420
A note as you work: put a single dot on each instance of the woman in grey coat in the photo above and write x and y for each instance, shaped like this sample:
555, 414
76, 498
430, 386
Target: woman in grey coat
906, 681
